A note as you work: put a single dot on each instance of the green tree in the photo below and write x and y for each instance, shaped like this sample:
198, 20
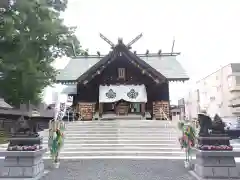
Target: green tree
32, 36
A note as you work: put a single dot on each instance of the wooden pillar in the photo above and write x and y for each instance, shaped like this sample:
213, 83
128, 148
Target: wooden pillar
78, 111
100, 109
143, 108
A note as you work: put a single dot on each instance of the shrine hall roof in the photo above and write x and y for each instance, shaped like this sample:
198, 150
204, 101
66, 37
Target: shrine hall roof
166, 64
3, 104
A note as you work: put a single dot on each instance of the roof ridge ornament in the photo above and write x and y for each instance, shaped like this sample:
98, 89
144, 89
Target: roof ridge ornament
120, 41
134, 40
107, 40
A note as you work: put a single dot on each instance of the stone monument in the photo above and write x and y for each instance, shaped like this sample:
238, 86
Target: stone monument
23, 157
214, 155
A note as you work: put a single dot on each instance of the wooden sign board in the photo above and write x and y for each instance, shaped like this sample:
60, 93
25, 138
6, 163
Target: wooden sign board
161, 109
86, 110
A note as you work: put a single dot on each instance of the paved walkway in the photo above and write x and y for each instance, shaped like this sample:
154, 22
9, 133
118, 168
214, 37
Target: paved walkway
119, 170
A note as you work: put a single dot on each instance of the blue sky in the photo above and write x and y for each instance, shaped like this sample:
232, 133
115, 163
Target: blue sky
207, 32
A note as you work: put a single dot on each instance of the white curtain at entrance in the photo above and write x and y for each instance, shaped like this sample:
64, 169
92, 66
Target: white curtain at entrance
130, 93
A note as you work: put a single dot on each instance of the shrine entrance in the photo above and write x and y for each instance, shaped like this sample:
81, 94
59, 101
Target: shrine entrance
122, 99
122, 107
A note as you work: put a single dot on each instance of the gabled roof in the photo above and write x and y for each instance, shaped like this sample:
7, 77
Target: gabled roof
76, 67
168, 66
164, 65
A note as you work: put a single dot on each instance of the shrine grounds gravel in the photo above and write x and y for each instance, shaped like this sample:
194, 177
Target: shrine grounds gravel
117, 169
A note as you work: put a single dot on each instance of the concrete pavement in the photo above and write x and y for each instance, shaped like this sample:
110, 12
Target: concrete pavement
116, 169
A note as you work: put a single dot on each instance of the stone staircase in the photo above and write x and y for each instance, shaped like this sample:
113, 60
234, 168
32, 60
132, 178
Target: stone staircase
120, 139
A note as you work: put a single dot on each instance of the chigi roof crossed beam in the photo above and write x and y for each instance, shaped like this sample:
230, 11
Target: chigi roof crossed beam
159, 66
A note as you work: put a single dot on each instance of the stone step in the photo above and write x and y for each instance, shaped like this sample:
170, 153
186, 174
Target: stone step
130, 133
123, 149
120, 133
69, 134
162, 126
124, 122
119, 153
127, 141
170, 145
120, 129
121, 124
133, 138
129, 157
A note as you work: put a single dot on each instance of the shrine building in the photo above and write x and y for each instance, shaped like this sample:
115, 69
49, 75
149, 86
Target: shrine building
122, 83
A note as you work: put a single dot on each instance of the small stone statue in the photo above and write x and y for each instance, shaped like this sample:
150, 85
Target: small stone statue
205, 123
24, 136
22, 126
218, 125
25, 127
212, 134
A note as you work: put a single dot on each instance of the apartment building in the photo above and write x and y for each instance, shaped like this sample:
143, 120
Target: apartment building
219, 93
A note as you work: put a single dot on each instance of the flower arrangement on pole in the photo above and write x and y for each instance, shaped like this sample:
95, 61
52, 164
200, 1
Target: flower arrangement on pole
187, 141
56, 131
56, 140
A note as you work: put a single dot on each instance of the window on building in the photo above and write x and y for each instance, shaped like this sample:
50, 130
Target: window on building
220, 105
230, 81
121, 73
198, 95
237, 80
205, 93
212, 98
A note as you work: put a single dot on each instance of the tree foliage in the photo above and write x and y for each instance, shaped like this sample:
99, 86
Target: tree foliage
32, 36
